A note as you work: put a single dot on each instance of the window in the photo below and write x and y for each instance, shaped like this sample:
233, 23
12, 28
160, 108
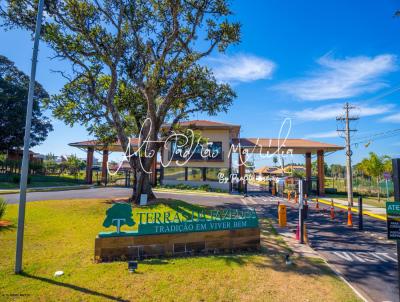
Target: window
215, 150
195, 174
212, 173
172, 173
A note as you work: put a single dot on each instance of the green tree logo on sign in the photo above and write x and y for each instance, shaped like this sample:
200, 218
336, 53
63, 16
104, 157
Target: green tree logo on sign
118, 215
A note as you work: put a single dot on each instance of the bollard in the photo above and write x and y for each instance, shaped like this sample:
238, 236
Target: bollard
360, 213
282, 215
317, 204
349, 218
297, 232
305, 234
288, 195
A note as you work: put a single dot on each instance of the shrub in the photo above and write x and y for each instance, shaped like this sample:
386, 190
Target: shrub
17, 178
205, 187
3, 206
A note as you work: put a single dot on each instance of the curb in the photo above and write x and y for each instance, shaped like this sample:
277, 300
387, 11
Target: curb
368, 213
183, 192
49, 189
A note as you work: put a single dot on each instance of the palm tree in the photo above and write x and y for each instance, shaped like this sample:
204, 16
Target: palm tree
375, 166
275, 160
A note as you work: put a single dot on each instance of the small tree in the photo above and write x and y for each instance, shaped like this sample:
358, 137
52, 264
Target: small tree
375, 166
275, 160
50, 163
74, 165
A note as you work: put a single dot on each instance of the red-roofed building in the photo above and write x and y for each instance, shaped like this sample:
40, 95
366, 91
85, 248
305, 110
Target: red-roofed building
206, 163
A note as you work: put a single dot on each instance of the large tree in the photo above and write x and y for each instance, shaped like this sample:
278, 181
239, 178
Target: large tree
133, 60
13, 99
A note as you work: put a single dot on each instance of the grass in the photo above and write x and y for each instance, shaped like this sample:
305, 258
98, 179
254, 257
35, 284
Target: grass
373, 201
59, 235
44, 181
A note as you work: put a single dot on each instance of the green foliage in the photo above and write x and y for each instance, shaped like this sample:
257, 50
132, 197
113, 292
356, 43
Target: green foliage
13, 97
375, 165
3, 206
74, 164
205, 187
17, 178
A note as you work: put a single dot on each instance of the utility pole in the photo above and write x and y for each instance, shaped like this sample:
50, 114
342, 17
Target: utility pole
346, 134
25, 157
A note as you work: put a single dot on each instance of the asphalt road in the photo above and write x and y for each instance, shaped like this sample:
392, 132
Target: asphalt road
365, 258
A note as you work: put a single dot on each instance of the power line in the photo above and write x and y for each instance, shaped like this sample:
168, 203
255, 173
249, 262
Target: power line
377, 136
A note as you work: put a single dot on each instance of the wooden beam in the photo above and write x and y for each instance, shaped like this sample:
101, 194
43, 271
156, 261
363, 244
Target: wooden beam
104, 167
321, 172
89, 165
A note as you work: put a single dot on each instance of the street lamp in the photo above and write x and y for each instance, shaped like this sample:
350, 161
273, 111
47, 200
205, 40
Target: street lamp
25, 158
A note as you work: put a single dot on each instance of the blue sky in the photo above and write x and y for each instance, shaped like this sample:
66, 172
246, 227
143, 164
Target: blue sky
297, 59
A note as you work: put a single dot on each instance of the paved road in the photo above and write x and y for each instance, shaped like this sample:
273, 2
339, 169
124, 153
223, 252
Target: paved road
365, 258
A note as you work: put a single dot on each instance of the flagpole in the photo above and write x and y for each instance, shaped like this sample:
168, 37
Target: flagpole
25, 157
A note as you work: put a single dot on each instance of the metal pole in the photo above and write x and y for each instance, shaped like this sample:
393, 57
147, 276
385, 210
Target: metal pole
387, 190
360, 214
301, 220
25, 158
396, 184
348, 160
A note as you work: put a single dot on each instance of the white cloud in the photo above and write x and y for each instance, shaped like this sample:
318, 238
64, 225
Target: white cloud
394, 118
328, 134
330, 112
341, 78
241, 68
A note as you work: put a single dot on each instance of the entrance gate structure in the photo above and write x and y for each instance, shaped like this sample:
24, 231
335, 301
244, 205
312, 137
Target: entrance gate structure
224, 140
266, 146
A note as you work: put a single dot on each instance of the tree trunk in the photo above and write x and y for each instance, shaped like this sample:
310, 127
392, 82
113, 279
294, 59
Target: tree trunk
143, 181
379, 189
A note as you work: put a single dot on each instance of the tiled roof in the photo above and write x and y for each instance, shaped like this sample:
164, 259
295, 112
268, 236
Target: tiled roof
205, 123
95, 143
289, 143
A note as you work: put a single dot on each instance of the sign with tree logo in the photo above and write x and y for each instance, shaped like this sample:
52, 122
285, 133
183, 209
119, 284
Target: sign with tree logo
118, 215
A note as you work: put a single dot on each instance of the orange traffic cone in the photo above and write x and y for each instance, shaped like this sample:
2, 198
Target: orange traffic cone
332, 211
349, 218
317, 205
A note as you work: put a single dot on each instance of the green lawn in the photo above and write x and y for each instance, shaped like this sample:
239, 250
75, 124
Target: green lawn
373, 201
44, 181
60, 235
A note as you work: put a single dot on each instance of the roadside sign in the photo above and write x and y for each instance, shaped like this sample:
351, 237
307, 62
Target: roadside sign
393, 220
387, 175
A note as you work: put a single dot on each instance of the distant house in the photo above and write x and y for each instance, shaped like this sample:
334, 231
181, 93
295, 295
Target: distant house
16, 154
265, 172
